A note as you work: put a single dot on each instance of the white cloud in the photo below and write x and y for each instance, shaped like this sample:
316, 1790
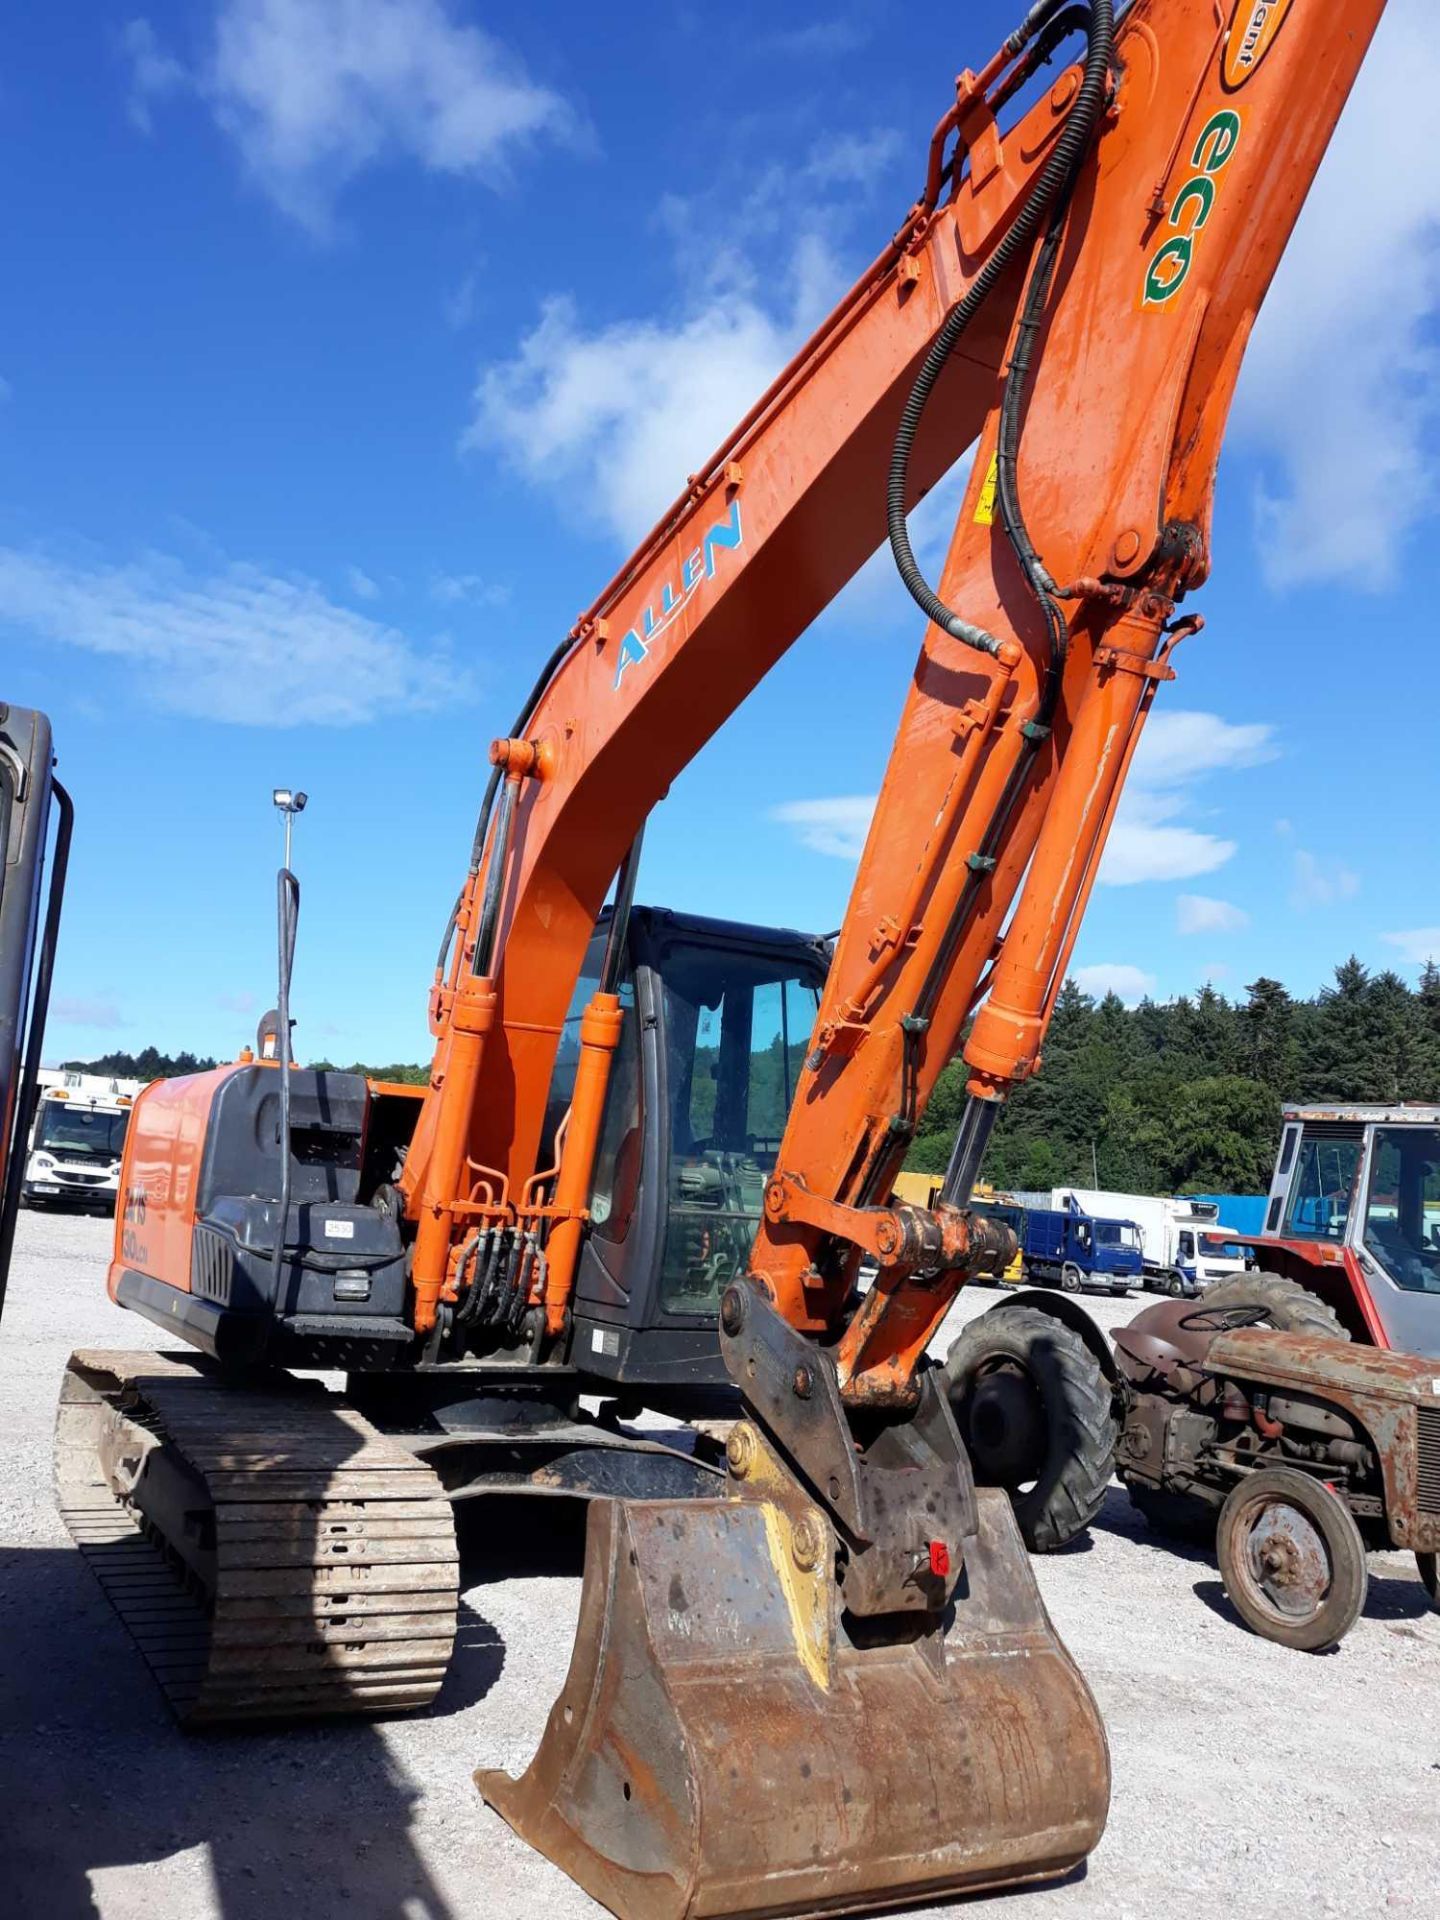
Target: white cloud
1131, 983
1178, 747
86, 1010
1197, 913
820, 39
1139, 850
459, 307
1317, 883
1418, 945
614, 417
836, 826
1177, 750
312, 92
154, 73
361, 585
617, 416
467, 589
235, 644
1340, 390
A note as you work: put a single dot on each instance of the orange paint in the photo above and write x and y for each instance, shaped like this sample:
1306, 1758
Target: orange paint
1180, 215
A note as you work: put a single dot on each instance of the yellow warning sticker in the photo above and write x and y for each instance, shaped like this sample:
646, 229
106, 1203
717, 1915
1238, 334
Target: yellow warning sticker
985, 505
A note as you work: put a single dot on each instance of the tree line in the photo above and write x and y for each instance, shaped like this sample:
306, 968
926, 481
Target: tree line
1173, 1097
149, 1064
1185, 1096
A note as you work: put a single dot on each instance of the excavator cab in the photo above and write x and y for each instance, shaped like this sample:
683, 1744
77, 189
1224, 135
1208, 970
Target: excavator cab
717, 1017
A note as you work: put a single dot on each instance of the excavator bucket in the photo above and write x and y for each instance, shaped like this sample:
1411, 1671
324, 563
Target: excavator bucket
729, 1743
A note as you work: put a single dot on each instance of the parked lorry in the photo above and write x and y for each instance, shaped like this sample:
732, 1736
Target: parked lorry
1186, 1246
1067, 1246
77, 1140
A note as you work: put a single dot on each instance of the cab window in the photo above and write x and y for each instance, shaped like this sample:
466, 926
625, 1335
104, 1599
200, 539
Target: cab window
1402, 1206
737, 1026
1319, 1201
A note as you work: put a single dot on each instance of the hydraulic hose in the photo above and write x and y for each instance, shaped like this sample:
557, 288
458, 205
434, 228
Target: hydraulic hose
1051, 192
492, 786
1051, 197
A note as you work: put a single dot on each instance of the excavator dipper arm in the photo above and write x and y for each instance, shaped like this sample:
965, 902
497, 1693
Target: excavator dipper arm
1072, 292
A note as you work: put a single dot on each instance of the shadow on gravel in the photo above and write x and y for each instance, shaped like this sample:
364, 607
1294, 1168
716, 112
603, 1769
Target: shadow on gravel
1386, 1600
311, 1820
1120, 1516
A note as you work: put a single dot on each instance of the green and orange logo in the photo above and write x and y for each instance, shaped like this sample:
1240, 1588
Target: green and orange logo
1170, 264
1253, 27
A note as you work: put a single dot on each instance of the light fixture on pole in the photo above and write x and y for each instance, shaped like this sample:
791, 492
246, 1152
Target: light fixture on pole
288, 803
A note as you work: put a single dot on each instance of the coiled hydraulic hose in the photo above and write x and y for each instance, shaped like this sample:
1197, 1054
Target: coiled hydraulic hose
1051, 195
1050, 201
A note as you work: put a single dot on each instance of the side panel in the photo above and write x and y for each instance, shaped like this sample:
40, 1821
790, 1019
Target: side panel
159, 1178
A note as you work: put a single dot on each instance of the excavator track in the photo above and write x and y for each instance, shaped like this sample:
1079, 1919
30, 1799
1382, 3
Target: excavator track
270, 1552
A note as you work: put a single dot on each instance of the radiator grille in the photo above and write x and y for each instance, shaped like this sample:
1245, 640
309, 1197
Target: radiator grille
210, 1267
1428, 1478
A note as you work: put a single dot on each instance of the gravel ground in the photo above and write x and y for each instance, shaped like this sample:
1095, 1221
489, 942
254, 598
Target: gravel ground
1246, 1777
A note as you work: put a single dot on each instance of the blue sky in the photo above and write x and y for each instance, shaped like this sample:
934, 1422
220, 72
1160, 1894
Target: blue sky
350, 345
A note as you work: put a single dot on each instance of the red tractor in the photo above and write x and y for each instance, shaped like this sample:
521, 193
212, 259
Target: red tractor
1292, 1415
1354, 1217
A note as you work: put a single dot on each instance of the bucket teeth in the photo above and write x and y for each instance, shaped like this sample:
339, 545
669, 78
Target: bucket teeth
701, 1761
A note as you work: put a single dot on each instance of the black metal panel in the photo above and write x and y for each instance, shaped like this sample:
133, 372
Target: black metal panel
242, 1140
339, 1258
223, 1334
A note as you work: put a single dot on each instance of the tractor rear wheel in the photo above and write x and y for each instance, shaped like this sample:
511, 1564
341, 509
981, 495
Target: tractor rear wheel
1289, 1307
1292, 1559
1035, 1412
1429, 1578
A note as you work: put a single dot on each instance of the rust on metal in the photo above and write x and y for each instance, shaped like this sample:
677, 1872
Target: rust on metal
270, 1552
1393, 1397
723, 1746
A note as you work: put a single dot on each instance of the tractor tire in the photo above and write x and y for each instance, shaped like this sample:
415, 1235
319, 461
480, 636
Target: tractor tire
1292, 1559
1036, 1413
1289, 1307
1184, 1516
1429, 1578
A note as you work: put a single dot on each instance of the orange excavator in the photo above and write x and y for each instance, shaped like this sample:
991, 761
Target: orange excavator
821, 1679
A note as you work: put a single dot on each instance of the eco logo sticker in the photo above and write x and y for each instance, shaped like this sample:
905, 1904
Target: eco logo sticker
1170, 264
1253, 27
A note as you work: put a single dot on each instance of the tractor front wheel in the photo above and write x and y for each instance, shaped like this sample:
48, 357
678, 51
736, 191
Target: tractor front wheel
1292, 1559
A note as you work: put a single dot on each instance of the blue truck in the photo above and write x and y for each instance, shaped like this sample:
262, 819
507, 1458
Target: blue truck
1066, 1248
